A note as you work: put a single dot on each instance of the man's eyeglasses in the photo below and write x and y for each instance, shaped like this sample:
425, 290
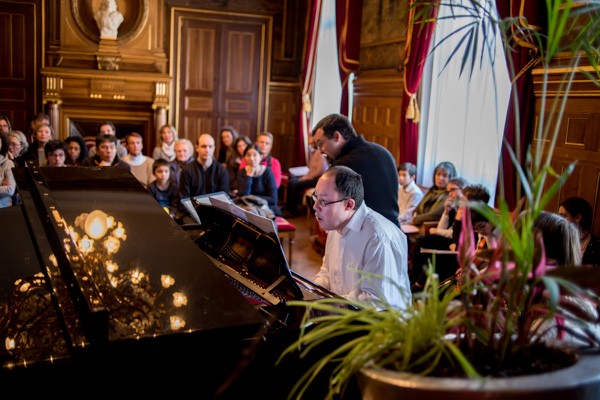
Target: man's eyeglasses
323, 203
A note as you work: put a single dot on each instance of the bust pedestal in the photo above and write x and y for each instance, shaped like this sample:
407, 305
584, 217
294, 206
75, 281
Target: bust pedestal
108, 56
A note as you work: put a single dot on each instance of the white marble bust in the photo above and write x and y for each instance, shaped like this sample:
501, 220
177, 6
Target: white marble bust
108, 19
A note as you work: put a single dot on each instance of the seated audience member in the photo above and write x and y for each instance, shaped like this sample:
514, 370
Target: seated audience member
227, 137
37, 119
17, 147
5, 126
141, 165
296, 185
235, 159
106, 144
360, 241
205, 175
579, 211
440, 238
484, 231
184, 154
257, 179
163, 189
76, 151
264, 140
108, 128
409, 193
166, 147
7, 180
431, 206
56, 153
42, 134
561, 239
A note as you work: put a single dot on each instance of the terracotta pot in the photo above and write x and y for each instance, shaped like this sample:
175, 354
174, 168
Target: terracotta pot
580, 381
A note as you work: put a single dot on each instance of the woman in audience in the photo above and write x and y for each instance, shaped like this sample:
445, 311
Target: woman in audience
166, 148
7, 180
17, 147
431, 206
42, 134
227, 137
77, 151
5, 126
264, 140
257, 179
561, 239
579, 212
235, 159
184, 154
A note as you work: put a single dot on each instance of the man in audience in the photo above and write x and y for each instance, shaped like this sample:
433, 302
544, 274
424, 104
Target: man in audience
56, 153
366, 254
335, 137
108, 128
141, 165
205, 175
107, 153
409, 193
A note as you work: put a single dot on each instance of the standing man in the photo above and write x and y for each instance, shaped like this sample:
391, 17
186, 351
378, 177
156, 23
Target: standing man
366, 255
205, 175
336, 138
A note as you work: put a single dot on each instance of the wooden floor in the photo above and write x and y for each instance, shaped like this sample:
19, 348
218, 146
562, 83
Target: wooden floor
305, 260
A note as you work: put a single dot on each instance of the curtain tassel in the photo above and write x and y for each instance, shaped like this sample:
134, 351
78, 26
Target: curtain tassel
306, 104
412, 110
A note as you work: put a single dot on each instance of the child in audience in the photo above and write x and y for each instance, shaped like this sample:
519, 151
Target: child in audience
77, 151
56, 153
166, 148
431, 206
409, 193
163, 188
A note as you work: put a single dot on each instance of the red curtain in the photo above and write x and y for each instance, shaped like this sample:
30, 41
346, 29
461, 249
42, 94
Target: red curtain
418, 40
348, 15
518, 131
306, 85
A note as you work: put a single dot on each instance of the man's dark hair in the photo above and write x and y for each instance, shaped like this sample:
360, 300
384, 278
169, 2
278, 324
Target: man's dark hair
335, 122
479, 194
348, 183
105, 137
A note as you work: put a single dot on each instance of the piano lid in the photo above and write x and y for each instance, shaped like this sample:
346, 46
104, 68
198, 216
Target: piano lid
118, 267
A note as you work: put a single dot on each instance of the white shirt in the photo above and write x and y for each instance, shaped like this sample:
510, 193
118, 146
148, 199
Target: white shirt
373, 244
408, 199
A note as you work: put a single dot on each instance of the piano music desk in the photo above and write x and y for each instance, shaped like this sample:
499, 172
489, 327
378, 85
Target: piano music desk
286, 230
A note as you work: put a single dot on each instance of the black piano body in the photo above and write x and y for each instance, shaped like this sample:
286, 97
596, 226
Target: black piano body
98, 282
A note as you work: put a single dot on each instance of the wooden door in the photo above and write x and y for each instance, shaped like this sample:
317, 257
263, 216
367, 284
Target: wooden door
222, 65
20, 30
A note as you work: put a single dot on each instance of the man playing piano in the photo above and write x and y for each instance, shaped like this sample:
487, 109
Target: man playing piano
366, 254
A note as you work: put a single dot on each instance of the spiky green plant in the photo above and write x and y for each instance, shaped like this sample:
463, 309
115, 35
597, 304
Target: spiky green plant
498, 311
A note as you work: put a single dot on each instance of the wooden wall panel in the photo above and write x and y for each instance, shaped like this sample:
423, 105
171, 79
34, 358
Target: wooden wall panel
579, 140
282, 120
20, 30
377, 108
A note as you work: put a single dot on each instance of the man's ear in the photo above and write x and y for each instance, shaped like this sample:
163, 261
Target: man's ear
337, 136
349, 204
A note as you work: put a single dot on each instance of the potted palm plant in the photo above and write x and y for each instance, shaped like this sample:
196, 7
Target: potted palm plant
491, 332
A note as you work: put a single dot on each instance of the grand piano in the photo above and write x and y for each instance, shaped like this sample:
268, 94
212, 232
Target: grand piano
99, 286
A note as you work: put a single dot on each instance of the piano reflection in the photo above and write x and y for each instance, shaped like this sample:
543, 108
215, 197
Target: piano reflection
98, 285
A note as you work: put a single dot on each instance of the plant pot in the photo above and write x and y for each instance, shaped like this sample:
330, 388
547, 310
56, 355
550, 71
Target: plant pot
580, 381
